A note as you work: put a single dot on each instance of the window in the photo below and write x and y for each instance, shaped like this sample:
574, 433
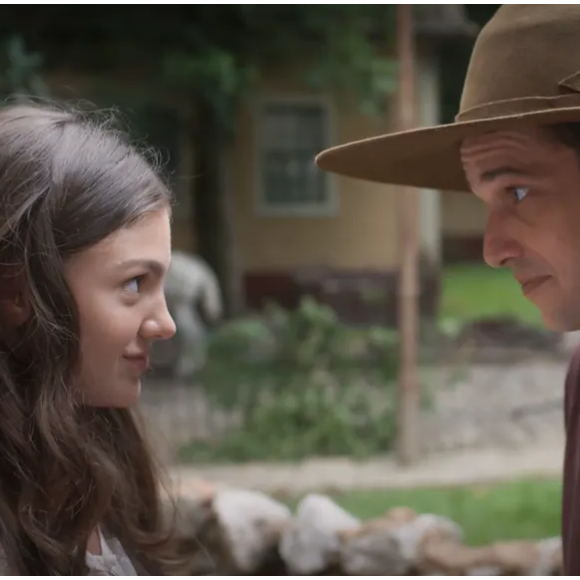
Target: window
290, 134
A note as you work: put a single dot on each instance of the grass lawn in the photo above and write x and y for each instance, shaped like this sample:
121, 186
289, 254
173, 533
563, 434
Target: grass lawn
520, 510
472, 291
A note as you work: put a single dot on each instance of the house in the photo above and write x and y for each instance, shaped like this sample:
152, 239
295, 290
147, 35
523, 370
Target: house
463, 224
297, 229
302, 231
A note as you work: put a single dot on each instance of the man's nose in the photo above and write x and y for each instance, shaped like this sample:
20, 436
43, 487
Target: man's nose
500, 245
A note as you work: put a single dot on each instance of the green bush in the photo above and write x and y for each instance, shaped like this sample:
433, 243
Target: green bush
305, 384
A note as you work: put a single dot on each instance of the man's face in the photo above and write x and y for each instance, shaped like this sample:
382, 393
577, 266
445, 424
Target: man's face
531, 187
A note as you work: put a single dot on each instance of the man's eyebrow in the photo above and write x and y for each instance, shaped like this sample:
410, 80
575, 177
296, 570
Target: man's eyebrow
502, 171
153, 265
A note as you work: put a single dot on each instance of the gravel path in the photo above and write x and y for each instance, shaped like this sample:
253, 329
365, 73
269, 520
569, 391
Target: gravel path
463, 468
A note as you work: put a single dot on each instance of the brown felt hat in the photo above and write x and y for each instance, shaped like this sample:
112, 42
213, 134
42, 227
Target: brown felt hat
524, 70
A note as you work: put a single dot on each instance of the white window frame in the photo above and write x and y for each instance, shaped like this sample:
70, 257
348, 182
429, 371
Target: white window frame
327, 209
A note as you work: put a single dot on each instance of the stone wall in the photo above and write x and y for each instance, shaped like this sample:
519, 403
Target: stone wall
229, 531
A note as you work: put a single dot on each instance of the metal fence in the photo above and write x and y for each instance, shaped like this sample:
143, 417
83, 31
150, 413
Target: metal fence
478, 402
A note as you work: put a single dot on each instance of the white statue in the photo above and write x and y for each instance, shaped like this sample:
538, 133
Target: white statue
191, 283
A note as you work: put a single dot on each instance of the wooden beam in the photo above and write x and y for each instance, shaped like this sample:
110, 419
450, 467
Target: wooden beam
409, 392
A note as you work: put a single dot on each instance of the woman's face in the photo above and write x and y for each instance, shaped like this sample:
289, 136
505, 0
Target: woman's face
118, 288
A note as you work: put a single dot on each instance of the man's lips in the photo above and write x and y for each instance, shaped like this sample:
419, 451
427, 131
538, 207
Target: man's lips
530, 284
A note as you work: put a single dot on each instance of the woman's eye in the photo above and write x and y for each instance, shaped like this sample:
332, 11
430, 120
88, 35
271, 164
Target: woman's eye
519, 193
134, 285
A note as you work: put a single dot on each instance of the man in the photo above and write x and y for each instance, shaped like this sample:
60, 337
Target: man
516, 145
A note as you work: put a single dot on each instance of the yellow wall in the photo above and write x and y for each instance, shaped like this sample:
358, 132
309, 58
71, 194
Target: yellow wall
361, 234
463, 215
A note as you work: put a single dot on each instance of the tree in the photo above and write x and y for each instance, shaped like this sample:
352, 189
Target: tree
20, 70
214, 55
232, 47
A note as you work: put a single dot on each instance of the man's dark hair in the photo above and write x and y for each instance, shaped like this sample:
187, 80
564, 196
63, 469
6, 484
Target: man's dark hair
567, 134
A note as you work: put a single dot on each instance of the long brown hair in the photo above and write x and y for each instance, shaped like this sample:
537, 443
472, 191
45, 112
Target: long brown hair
68, 180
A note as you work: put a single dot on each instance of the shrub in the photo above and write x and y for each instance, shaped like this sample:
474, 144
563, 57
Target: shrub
305, 385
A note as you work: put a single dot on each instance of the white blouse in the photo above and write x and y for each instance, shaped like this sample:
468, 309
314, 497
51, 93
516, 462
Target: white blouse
113, 561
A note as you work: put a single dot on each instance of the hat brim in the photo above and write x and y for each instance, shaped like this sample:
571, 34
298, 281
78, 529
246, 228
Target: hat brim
427, 157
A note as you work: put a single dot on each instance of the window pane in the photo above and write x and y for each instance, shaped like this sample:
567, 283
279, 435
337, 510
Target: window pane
292, 135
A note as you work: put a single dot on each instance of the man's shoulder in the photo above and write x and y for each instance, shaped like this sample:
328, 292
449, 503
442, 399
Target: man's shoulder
575, 358
573, 371
572, 389
571, 483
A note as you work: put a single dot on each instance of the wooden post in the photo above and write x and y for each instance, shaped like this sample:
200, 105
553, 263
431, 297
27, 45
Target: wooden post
409, 392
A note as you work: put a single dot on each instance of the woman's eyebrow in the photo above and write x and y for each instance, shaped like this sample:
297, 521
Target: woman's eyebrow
153, 265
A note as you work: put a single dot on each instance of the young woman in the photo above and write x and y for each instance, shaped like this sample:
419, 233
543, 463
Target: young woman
84, 246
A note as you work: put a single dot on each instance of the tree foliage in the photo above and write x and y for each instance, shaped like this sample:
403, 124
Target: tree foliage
214, 56
218, 52
20, 70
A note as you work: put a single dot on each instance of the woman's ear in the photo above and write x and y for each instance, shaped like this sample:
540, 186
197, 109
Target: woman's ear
15, 310
15, 305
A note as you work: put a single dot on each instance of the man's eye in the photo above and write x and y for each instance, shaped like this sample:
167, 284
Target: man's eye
519, 193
